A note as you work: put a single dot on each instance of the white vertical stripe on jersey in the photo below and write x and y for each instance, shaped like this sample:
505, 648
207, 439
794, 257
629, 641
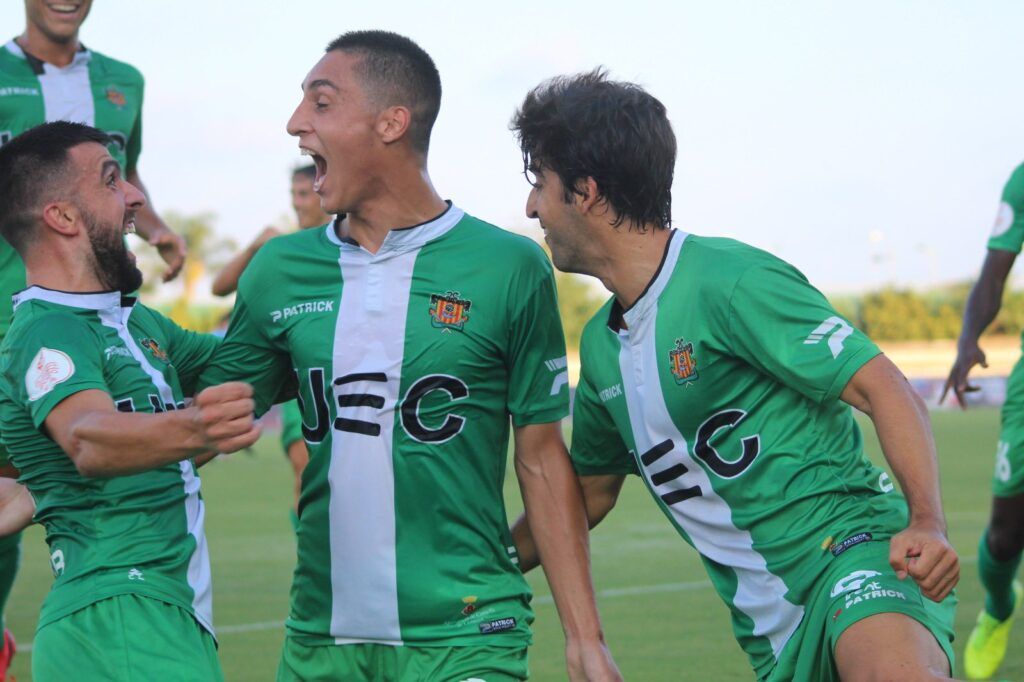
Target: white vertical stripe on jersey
67, 92
199, 578
369, 339
707, 519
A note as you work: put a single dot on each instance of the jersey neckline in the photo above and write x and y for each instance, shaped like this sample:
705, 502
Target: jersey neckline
38, 66
90, 300
649, 296
401, 239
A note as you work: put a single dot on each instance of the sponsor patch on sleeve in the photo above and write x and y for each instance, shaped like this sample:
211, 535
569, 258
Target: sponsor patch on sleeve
49, 367
499, 625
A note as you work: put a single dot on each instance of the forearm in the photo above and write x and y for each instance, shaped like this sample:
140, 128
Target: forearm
16, 507
904, 432
556, 521
106, 444
226, 281
526, 548
981, 309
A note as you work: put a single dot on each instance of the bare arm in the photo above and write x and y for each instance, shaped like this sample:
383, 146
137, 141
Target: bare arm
226, 281
154, 230
599, 496
103, 442
16, 507
557, 519
982, 307
900, 417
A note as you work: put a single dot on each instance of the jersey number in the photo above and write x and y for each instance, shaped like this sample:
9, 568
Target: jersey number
409, 407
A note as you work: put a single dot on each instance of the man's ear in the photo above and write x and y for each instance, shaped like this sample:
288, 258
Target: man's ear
393, 123
588, 197
62, 217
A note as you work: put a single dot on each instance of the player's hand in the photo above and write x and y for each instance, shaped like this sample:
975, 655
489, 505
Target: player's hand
265, 236
590, 662
967, 357
171, 247
224, 417
923, 552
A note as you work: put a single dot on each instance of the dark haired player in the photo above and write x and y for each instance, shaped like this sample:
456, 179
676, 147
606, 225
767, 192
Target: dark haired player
46, 74
306, 205
92, 411
415, 332
723, 379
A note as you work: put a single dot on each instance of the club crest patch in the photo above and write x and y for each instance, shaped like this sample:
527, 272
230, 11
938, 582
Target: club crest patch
49, 367
116, 97
683, 364
449, 311
153, 347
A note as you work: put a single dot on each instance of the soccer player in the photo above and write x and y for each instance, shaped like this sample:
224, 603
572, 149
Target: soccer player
92, 411
413, 332
46, 74
1001, 544
723, 379
309, 213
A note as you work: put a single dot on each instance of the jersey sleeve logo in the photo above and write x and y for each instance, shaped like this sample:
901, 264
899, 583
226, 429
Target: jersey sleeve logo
682, 363
1004, 219
449, 311
836, 329
49, 368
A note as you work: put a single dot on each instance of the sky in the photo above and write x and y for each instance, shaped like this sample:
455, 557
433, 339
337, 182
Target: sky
867, 143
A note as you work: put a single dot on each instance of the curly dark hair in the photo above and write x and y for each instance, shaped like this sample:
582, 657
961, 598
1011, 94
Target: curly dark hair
586, 125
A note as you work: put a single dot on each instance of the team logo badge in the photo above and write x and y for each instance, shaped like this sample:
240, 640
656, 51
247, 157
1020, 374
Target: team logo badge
470, 607
684, 365
49, 367
153, 347
449, 311
116, 97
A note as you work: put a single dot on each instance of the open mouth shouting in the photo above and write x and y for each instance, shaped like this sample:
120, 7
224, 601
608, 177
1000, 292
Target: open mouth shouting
321, 167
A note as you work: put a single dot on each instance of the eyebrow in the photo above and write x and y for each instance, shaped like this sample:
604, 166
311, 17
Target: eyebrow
322, 83
107, 165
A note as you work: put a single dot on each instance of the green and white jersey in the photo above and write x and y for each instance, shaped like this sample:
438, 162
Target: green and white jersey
92, 89
1008, 231
142, 533
720, 387
409, 363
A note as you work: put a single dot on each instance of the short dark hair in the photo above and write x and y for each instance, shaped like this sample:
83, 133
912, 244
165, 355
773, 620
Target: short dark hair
305, 172
33, 170
615, 132
397, 71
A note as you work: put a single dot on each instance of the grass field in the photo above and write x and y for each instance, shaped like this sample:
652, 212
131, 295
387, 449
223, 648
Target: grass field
662, 619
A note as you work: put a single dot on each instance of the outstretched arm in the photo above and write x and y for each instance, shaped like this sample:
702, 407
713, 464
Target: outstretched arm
922, 550
982, 307
556, 517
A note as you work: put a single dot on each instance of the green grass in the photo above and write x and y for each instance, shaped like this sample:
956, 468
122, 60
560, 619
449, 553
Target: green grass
661, 617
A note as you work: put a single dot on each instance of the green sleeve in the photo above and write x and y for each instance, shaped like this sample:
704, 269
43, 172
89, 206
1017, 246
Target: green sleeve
1008, 231
189, 351
597, 446
785, 327
247, 353
55, 357
538, 387
134, 147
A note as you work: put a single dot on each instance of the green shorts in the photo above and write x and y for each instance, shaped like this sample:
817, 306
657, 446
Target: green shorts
386, 663
860, 583
1008, 478
127, 638
291, 424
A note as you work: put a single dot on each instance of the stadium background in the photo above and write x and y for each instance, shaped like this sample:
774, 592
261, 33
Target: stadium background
865, 144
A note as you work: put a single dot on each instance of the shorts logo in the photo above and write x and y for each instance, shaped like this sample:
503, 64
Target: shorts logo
57, 563
470, 606
500, 625
49, 367
683, 364
116, 97
852, 541
836, 329
135, 574
852, 582
153, 347
449, 311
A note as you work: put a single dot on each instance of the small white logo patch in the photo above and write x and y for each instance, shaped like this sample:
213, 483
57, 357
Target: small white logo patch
1004, 219
854, 581
49, 368
836, 329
